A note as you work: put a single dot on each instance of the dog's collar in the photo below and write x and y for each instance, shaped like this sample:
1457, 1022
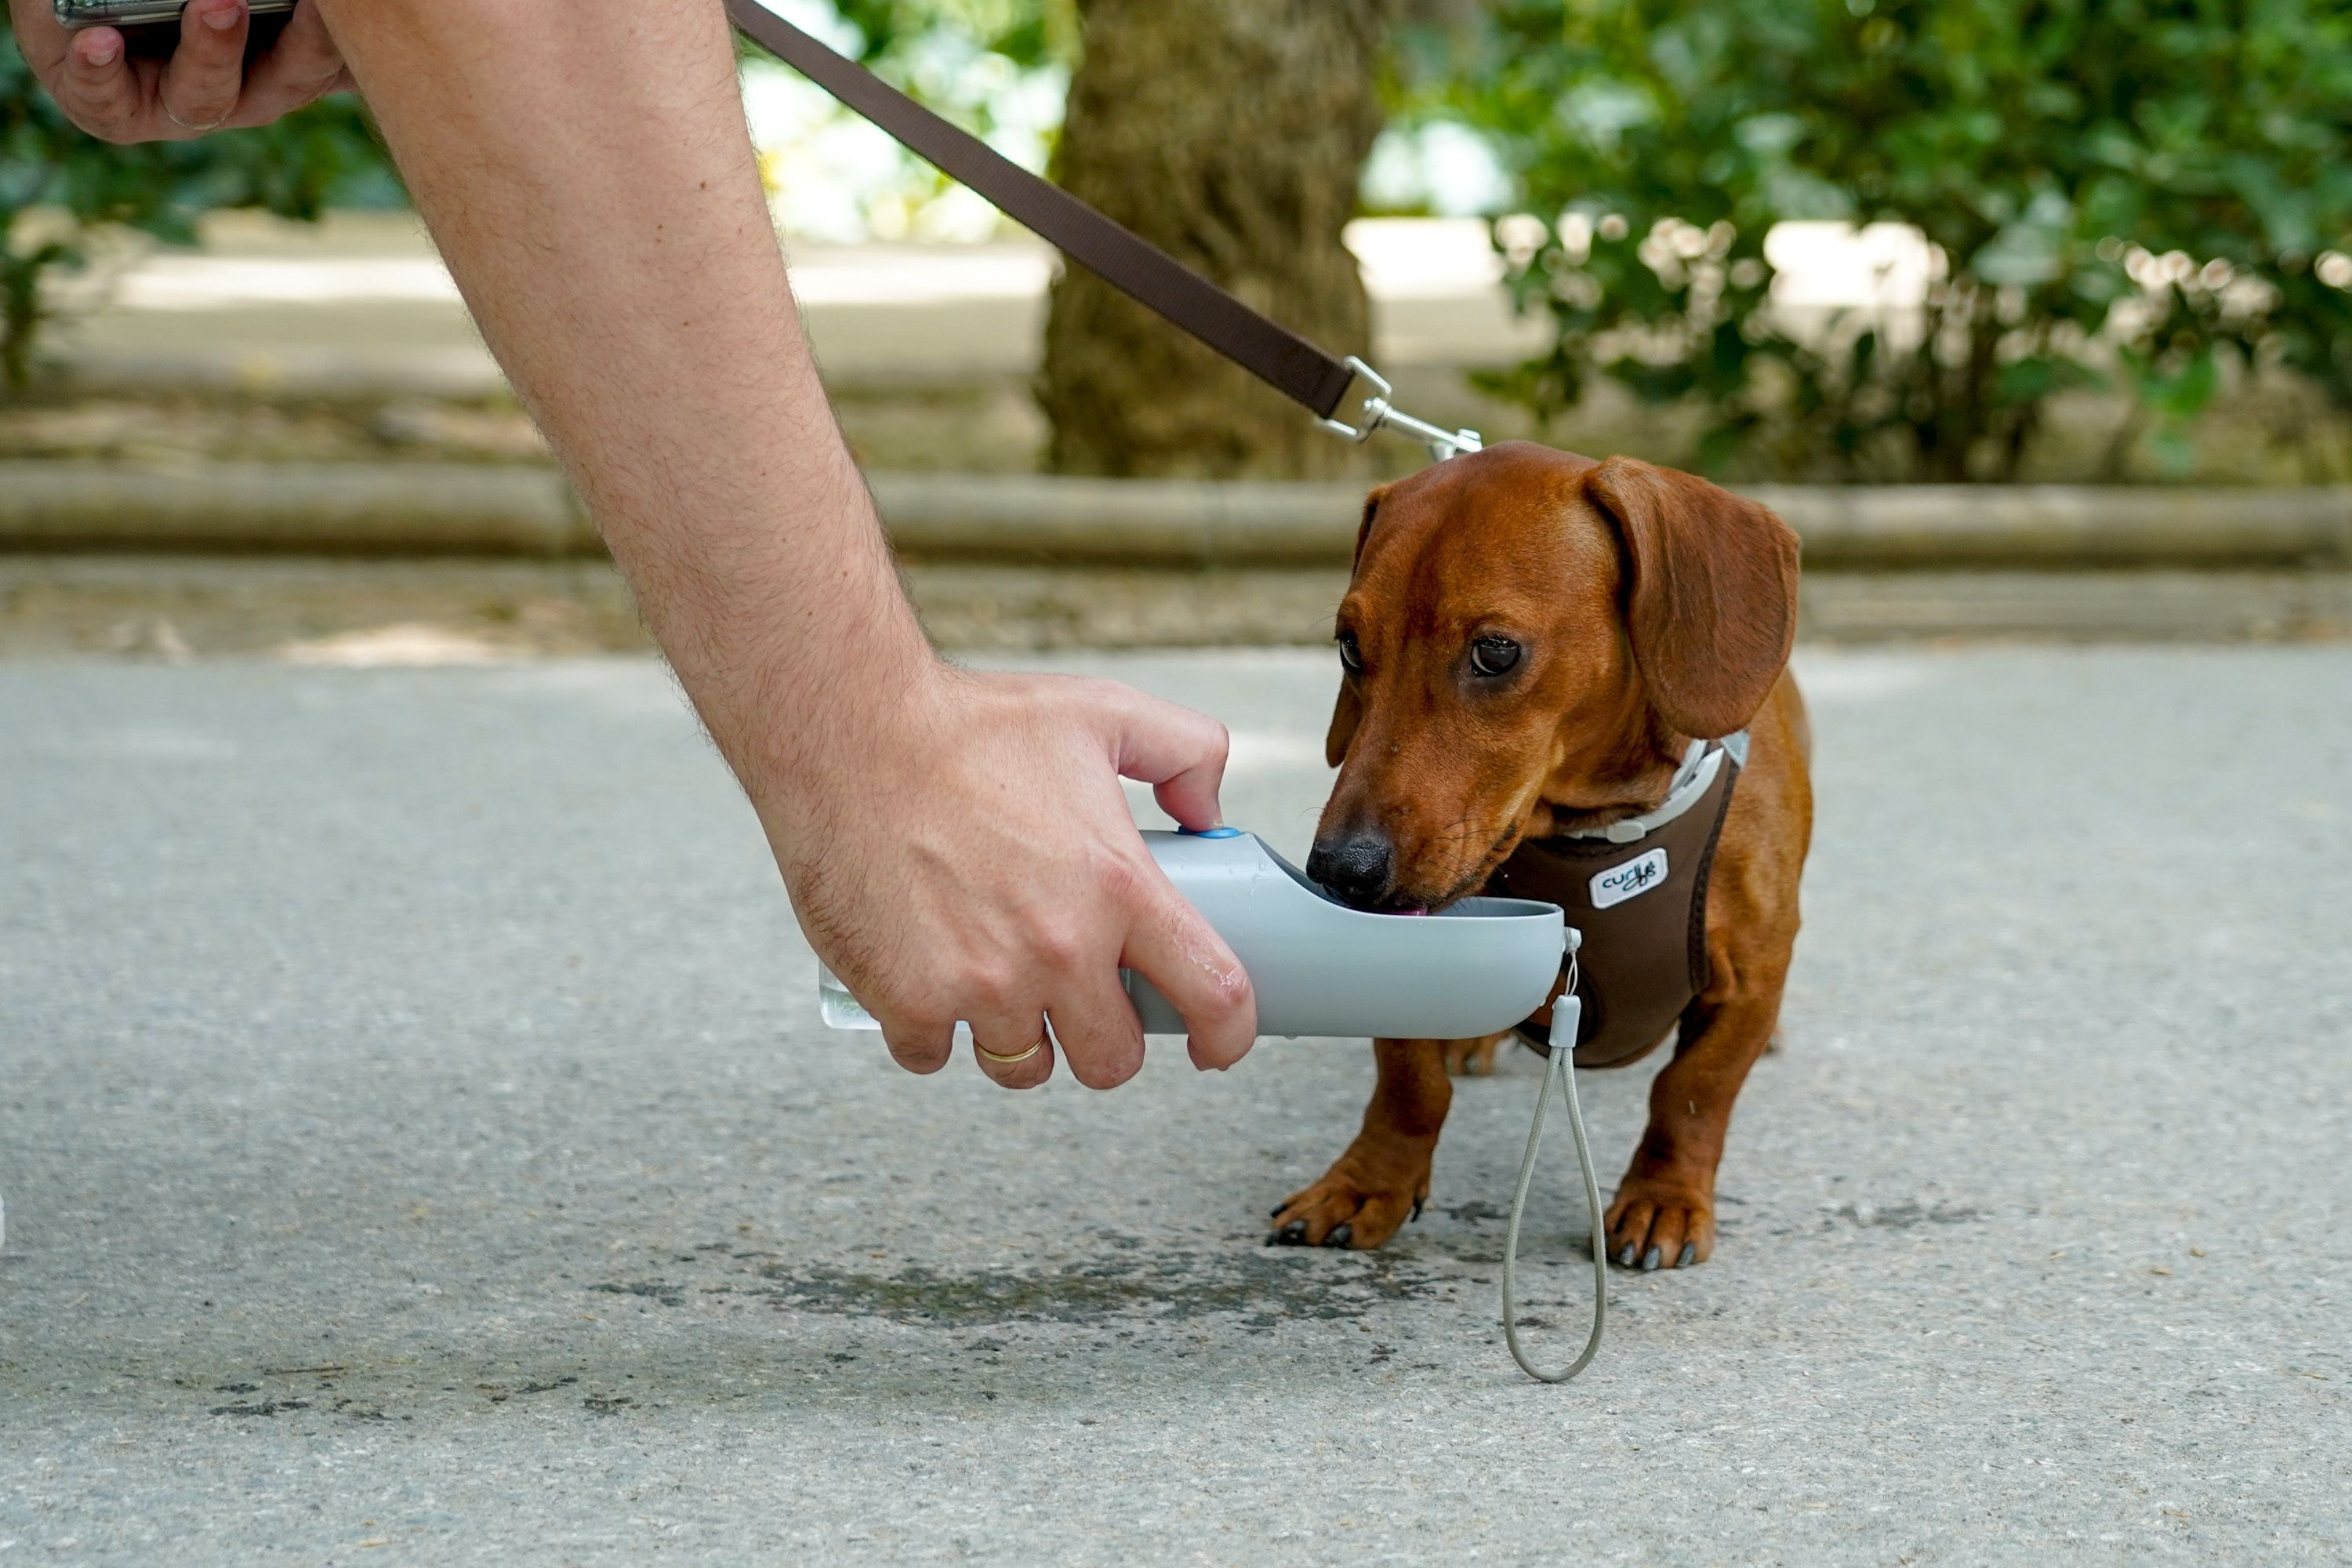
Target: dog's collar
1700, 764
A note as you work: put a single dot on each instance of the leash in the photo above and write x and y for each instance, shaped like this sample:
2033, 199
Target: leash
1299, 370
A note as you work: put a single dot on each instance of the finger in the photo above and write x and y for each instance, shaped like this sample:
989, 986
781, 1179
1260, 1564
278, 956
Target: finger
1014, 1049
207, 73
1098, 1031
97, 89
1180, 753
1182, 954
919, 1044
302, 67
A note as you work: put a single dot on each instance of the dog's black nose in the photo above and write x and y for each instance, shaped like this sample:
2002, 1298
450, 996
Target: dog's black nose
1357, 867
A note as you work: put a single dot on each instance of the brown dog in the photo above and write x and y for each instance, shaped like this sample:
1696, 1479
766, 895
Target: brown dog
1531, 640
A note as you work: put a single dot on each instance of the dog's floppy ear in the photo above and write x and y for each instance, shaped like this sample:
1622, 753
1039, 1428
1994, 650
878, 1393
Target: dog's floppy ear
1710, 593
1347, 711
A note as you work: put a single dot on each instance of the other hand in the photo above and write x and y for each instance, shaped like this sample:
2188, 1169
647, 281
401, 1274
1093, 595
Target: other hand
206, 84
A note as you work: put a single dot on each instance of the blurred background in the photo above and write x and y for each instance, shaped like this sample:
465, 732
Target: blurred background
2093, 262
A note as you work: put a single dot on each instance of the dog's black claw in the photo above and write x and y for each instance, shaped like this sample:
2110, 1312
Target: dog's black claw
1626, 1256
1416, 1210
1291, 1234
1650, 1260
1341, 1235
1275, 1212
1690, 1255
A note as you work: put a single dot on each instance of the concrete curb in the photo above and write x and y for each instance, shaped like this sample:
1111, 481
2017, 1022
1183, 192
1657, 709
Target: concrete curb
450, 609
1945, 526
428, 508
338, 509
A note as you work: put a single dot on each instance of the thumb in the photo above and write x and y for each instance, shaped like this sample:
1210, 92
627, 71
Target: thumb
1179, 753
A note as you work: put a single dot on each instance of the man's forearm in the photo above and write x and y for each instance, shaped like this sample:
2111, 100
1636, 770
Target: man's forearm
586, 172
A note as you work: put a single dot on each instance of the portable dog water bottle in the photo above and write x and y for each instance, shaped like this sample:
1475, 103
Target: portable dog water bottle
1320, 968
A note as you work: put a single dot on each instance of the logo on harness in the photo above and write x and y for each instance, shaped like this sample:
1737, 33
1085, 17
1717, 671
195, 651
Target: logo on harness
1635, 877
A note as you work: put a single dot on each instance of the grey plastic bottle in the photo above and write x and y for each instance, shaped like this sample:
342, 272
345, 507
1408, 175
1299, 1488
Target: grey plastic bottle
1321, 968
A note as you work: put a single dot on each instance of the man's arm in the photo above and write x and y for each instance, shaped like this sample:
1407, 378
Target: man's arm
956, 845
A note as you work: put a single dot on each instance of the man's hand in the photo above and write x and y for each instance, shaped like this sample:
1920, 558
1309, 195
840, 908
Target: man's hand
205, 85
968, 854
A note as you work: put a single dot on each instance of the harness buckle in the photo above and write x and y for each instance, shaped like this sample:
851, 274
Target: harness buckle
1379, 413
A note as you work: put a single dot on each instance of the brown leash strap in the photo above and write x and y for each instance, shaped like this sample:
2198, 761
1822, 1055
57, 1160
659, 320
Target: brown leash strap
1149, 275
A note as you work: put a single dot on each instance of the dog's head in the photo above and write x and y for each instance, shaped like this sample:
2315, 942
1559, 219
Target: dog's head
1530, 637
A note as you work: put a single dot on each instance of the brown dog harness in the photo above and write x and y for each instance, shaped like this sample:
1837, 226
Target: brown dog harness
1636, 890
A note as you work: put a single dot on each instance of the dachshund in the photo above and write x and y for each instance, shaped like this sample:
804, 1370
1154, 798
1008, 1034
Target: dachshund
1530, 642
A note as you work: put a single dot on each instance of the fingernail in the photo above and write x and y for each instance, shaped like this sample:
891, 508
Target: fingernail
220, 18
101, 51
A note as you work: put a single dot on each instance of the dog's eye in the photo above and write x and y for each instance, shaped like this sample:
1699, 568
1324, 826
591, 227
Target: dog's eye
1493, 655
1350, 654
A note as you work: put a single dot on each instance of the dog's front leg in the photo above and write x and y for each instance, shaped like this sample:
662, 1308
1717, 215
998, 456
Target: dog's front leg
1664, 1214
1383, 1178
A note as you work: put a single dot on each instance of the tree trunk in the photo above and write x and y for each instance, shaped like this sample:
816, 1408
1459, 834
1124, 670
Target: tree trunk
1231, 134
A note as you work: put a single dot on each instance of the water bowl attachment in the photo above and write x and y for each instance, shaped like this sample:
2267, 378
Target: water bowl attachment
1321, 968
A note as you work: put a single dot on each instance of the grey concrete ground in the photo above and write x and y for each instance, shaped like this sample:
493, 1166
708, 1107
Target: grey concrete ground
419, 1147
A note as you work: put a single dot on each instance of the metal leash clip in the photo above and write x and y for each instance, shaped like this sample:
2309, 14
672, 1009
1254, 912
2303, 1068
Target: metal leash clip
1379, 413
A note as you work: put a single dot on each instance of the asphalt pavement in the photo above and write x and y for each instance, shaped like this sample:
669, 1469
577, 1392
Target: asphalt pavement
419, 1145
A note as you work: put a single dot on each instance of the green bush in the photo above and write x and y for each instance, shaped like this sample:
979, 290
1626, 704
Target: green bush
324, 156
2124, 193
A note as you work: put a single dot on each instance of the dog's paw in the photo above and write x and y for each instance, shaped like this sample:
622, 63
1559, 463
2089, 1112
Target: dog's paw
1469, 1059
1346, 1210
1659, 1224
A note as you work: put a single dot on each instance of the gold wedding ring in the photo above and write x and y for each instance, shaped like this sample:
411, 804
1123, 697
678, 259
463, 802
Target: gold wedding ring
1003, 1060
196, 130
